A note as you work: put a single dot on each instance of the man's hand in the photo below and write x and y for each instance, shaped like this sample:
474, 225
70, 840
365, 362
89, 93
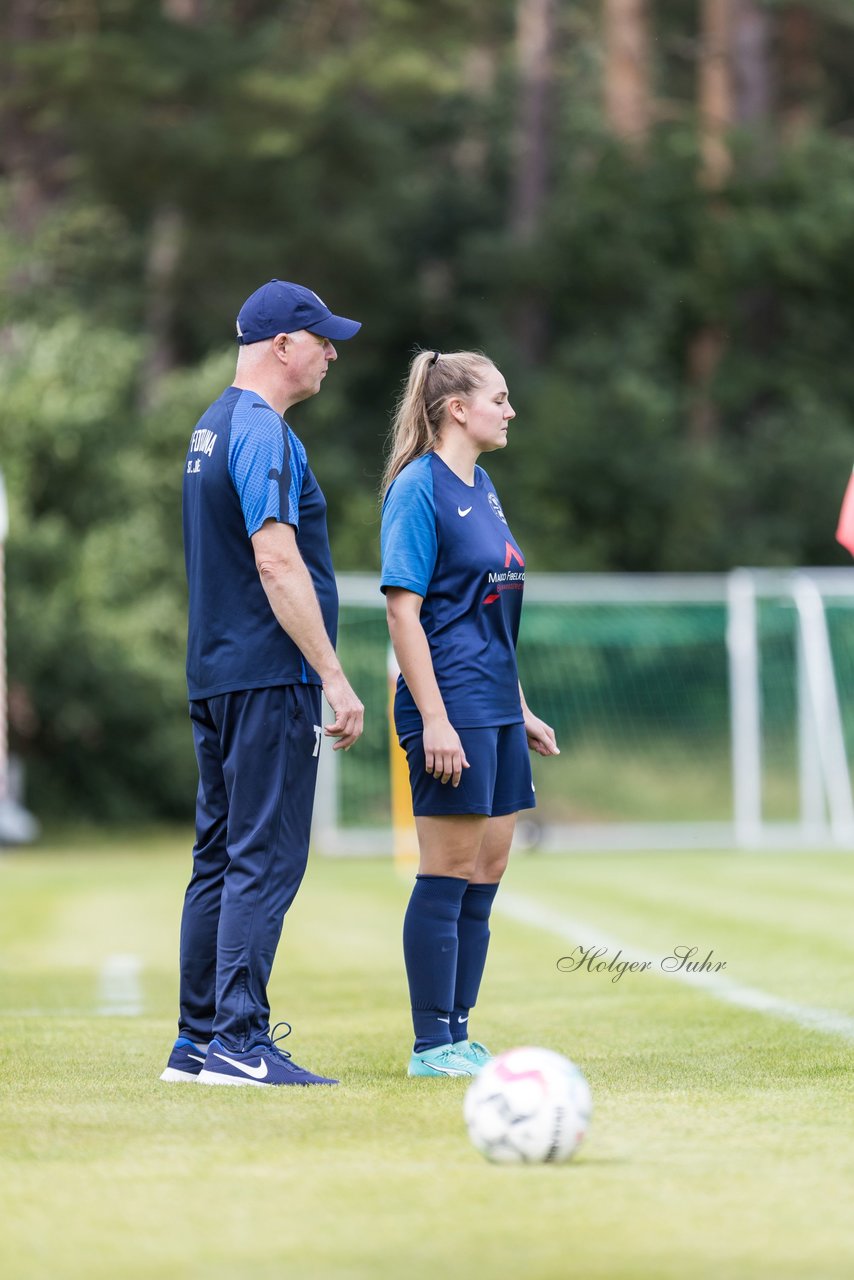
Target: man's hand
349, 713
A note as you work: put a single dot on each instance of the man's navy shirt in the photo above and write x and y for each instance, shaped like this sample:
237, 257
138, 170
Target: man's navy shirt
449, 543
244, 466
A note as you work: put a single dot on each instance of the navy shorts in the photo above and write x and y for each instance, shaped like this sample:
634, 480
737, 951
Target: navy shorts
498, 780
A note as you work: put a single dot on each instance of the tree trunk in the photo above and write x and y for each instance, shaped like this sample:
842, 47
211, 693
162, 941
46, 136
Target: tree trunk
801, 71
716, 106
165, 240
471, 152
755, 110
752, 74
535, 31
716, 98
164, 252
534, 39
190, 12
21, 155
628, 98
704, 356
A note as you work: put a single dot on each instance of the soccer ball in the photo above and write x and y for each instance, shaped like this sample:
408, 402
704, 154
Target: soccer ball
528, 1106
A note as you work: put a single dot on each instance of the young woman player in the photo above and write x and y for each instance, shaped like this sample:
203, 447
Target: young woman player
453, 575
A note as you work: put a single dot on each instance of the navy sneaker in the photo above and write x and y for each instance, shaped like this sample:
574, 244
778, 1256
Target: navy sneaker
185, 1062
261, 1064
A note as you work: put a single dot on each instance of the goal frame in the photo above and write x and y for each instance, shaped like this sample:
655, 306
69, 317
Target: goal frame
825, 808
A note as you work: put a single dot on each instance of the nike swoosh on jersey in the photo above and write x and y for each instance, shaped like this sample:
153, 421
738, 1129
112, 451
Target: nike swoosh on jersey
257, 1073
460, 511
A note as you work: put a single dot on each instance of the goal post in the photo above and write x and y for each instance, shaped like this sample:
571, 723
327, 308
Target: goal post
693, 711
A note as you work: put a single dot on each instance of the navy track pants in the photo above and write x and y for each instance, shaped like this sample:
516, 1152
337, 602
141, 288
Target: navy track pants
257, 752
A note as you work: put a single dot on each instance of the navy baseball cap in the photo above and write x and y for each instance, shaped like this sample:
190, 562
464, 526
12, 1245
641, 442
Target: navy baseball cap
282, 307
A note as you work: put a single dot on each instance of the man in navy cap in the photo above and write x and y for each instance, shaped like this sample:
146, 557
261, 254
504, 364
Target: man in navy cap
263, 612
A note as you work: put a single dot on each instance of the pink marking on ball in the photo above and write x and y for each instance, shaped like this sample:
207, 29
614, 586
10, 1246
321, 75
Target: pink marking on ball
507, 1073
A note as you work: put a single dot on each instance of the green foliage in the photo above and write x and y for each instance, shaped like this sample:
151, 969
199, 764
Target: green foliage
96, 619
371, 150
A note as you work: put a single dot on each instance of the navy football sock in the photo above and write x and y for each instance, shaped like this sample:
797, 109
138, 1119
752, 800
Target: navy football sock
473, 935
430, 953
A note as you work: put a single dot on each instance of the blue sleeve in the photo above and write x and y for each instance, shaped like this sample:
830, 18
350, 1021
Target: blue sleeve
260, 466
408, 537
298, 466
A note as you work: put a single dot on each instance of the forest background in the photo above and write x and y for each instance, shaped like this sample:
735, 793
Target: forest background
642, 209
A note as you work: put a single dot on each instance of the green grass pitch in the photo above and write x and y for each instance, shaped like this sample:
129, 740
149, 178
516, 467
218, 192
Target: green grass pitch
721, 1144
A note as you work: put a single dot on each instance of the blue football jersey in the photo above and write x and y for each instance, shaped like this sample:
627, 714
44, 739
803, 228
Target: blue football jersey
449, 542
244, 466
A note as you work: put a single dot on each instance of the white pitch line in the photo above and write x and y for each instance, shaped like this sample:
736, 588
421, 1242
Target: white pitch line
578, 932
45, 1013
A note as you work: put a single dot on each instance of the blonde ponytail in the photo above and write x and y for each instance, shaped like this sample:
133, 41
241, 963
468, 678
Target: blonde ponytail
433, 378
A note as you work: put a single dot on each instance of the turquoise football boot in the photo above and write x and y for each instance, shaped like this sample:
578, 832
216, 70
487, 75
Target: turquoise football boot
442, 1061
474, 1051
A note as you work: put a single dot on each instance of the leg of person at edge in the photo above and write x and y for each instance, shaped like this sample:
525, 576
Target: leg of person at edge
263, 612
453, 576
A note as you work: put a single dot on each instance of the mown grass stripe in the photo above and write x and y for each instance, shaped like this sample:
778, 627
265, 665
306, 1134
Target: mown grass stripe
809, 1017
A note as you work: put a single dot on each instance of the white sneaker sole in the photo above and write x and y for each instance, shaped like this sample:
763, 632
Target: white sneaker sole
214, 1077
173, 1076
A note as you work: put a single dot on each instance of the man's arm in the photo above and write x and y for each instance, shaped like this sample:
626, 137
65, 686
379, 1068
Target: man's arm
290, 591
